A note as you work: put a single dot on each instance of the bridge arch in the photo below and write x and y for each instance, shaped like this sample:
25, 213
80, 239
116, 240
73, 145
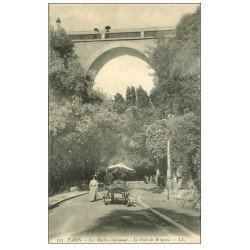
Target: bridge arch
113, 50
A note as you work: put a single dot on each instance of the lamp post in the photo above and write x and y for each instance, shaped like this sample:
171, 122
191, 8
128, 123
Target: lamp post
58, 22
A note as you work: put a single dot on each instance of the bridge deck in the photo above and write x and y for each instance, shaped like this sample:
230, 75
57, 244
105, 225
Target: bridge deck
127, 34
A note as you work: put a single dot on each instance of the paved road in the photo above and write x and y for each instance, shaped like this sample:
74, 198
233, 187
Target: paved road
79, 221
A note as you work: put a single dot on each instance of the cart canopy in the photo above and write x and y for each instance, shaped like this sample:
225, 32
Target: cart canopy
120, 166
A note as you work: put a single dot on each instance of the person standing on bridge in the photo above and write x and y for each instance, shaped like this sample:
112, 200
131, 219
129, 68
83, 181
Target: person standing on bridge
93, 187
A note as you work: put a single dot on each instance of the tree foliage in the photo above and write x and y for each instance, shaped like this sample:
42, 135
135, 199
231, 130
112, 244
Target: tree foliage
67, 78
119, 103
176, 98
177, 66
61, 43
83, 138
70, 86
143, 100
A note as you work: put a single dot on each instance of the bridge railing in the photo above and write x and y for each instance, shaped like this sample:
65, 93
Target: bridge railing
129, 34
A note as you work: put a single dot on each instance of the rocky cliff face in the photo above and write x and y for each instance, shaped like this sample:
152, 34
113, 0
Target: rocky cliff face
181, 188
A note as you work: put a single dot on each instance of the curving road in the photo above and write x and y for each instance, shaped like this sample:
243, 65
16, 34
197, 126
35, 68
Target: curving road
80, 221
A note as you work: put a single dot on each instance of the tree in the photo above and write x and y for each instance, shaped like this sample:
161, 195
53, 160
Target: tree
128, 96
184, 132
177, 67
119, 103
70, 154
85, 138
143, 100
61, 43
119, 98
133, 95
176, 98
67, 78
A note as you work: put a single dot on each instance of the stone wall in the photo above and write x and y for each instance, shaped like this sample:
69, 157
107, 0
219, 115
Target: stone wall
182, 189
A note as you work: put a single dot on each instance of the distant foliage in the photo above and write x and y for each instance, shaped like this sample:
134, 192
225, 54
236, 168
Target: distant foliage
119, 103
143, 100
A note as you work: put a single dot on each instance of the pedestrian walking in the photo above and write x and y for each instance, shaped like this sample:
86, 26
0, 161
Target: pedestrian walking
165, 194
93, 187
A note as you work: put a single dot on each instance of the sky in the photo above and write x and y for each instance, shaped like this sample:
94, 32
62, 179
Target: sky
122, 71
79, 17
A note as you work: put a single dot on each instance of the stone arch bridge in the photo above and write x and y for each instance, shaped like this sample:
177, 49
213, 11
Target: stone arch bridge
95, 49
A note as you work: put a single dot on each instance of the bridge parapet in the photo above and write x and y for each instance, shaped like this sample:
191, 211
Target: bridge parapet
125, 34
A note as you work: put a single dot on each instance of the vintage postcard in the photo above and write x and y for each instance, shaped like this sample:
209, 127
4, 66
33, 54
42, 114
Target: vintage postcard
124, 123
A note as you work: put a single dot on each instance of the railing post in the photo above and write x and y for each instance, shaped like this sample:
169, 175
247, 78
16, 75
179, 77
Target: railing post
103, 35
142, 33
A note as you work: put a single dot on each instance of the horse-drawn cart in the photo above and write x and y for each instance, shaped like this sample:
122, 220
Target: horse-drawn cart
117, 191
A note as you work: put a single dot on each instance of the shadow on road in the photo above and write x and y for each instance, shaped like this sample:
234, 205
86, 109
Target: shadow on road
127, 222
188, 220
